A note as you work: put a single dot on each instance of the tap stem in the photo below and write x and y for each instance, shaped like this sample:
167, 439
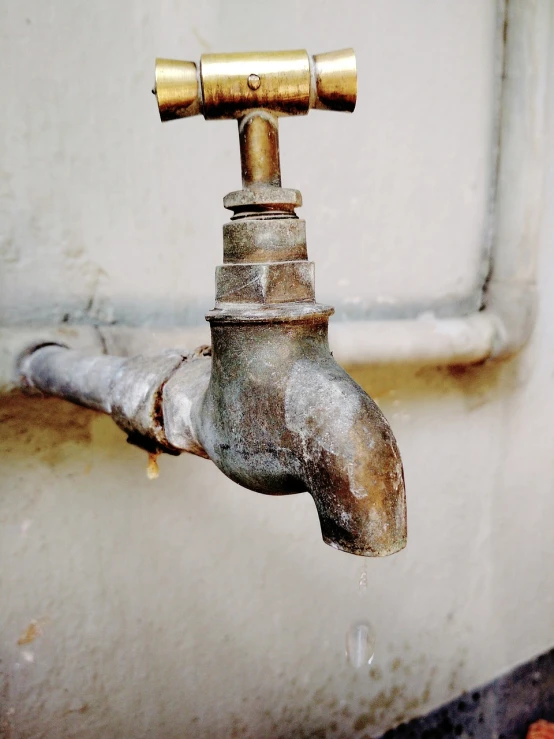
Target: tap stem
259, 149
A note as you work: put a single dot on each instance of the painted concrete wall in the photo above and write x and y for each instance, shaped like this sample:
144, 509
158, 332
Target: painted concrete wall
187, 606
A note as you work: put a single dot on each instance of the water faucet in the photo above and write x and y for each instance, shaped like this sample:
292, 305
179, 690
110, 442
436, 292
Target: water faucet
267, 403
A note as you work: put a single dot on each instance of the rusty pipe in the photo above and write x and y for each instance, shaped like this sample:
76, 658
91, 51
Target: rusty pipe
82, 379
271, 408
128, 389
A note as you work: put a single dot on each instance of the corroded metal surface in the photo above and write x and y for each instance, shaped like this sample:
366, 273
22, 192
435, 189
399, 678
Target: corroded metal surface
263, 240
262, 199
279, 282
281, 416
80, 378
130, 390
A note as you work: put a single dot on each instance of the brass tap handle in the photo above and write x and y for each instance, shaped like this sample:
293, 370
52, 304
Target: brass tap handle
232, 85
256, 88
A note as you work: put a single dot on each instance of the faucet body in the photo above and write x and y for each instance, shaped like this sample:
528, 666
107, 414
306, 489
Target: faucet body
268, 404
281, 416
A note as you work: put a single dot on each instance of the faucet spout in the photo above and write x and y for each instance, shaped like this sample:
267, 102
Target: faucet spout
281, 416
352, 466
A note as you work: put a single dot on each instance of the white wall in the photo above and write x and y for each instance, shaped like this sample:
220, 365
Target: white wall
188, 606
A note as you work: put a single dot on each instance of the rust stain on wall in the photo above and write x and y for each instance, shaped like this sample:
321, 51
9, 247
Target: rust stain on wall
47, 429
29, 634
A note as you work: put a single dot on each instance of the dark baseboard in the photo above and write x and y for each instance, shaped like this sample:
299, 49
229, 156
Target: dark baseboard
503, 709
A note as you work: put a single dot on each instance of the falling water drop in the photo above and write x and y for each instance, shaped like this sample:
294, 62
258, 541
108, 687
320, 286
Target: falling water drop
362, 582
360, 644
152, 470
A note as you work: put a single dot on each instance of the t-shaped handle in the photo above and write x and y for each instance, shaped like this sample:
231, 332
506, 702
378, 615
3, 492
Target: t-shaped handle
281, 82
256, 88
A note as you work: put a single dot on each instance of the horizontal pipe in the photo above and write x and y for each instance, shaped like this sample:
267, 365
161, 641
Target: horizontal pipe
129, 389
426, 340
82, 379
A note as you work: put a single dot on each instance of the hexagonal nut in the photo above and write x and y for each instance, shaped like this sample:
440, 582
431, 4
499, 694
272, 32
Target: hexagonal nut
281, 282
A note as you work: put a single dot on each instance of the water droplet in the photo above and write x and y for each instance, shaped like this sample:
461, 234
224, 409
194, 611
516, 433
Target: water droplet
362, 582
152, 470
25, 526
360, 644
